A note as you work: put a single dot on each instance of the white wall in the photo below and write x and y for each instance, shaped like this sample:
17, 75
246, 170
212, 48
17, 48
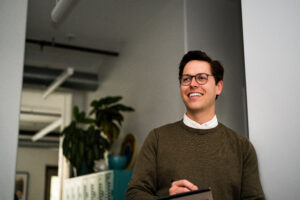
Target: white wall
272, 46
145, 73
12, 39
34, 161
215, 27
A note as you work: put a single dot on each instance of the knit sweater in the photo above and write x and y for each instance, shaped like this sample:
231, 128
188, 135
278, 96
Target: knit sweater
218, 158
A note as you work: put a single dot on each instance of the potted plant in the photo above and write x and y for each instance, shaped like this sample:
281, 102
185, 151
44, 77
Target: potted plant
108, 116
87, 138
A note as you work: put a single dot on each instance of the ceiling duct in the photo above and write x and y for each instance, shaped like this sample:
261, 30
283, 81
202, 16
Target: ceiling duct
45, 76
39, 144
44, 43
50, 141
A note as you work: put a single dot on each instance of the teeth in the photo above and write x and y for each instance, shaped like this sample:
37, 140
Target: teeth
195, 94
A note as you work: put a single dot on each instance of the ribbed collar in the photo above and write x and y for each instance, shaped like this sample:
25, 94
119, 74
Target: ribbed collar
199, 131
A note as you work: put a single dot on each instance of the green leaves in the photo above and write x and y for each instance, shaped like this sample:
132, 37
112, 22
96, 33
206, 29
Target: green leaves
82, 145
80, 116
108, 115
120, 107
104, 102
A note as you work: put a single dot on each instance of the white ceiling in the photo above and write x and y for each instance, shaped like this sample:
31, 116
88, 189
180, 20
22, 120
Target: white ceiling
100, 24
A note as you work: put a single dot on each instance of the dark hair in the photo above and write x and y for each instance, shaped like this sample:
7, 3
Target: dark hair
216, 67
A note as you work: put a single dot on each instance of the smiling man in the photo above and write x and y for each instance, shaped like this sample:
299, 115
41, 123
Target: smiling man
198, 151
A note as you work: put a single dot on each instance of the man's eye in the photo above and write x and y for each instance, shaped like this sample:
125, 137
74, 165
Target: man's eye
185, 79
202, 78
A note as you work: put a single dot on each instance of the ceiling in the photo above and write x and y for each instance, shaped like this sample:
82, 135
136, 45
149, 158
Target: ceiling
100, 24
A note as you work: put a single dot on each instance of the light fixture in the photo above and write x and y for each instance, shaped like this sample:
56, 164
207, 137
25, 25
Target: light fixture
59, 80
54, 125
60, 9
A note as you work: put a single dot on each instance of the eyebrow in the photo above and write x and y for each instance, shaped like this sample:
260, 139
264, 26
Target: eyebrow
195, 74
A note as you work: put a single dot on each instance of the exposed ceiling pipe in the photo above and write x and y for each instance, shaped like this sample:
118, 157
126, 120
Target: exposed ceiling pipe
44, 76
38, 144
60, 10
45, 142
59, 80
44, 43
30, 112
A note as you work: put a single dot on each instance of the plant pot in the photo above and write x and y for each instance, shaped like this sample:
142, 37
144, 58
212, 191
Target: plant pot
117, 161
83, 171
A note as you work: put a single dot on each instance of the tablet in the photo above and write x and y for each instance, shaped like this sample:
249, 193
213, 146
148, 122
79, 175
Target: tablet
202, 194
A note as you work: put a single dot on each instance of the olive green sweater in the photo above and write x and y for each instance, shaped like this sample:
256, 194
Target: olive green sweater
218, 158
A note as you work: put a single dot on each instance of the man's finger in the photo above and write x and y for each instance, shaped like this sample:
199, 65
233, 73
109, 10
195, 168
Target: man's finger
185, 183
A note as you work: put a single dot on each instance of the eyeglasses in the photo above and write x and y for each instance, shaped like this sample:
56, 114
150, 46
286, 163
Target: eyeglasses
200, 78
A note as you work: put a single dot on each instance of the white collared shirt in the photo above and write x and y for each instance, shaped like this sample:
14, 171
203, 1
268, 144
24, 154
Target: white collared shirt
193, 124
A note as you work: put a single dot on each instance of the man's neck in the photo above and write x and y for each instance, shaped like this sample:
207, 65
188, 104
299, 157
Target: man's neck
200, 117
207, 125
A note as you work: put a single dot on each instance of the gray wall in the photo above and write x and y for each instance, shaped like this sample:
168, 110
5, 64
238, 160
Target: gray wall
272, 46
12, 39
145, 73
215, 27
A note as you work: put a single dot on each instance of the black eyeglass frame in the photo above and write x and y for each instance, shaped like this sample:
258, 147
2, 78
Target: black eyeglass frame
191, 78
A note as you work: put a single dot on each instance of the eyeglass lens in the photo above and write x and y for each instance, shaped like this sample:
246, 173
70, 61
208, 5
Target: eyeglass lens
200, 79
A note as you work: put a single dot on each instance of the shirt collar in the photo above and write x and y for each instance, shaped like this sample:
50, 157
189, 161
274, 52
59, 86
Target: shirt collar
193, 124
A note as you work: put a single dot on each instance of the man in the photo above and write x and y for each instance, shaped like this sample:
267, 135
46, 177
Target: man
198, 151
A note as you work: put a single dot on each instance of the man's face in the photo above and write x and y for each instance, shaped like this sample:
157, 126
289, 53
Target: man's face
200, 98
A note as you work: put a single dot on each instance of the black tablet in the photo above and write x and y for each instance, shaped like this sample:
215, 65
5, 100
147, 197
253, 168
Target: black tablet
202, 194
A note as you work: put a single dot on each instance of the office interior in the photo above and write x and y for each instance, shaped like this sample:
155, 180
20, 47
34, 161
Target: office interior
256, 41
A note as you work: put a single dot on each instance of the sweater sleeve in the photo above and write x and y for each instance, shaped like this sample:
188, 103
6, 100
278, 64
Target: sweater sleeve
144, 178
251, 186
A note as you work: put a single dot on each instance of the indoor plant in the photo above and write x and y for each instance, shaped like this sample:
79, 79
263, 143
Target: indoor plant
108, 116
87, 138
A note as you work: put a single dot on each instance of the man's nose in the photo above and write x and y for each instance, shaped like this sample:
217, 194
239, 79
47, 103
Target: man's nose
194, 82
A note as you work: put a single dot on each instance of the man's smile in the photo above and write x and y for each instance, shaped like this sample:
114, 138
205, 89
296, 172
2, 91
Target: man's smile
195, 94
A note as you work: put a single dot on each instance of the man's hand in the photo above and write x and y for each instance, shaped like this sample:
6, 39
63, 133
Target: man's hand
181, 186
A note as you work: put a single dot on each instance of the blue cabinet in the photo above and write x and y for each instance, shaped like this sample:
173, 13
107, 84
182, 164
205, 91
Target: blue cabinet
121, 180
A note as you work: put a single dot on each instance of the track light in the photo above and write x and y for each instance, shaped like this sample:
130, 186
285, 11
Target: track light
59, 80
54, 125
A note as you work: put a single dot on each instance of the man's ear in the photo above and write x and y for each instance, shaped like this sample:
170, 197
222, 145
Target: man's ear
219, 87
